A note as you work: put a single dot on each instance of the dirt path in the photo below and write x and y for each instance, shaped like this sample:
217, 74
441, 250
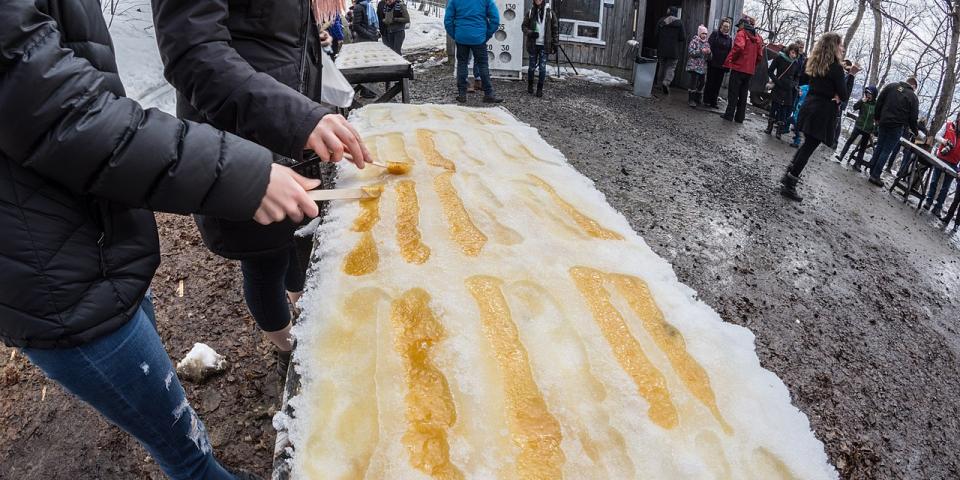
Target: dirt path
54, 436
851, 295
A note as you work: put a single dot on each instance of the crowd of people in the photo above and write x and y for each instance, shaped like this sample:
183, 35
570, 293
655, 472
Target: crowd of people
810, 94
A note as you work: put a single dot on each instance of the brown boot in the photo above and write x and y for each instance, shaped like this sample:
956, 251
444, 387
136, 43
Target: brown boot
470, 88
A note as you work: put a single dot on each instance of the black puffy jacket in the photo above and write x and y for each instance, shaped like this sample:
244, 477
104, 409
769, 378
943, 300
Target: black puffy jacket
671, 38
898, 106
249, 67
80, 169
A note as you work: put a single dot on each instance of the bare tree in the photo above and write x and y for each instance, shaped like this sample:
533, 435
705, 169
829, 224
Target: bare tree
852, 29
874, 75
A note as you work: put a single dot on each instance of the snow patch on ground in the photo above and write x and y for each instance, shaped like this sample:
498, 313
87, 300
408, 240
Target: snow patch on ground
201, 362
138, 57
590, 75
426, 32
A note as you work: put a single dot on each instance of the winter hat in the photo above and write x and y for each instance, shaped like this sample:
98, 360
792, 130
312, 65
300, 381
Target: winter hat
871, 90
702, 29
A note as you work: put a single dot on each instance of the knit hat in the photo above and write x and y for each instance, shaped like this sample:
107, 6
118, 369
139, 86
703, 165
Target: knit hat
702, 29
745, 20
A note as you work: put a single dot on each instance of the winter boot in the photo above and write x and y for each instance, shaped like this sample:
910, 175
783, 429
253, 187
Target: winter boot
698, 97
283, 365
788, 187
477, 85
769, 128
691, 99
530, 85
539, 90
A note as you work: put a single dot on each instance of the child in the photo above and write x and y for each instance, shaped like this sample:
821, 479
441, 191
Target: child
863, 128
784, 72
796, 114
699, 53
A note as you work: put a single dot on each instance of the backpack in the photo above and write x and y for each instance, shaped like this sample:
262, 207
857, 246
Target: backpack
360, 24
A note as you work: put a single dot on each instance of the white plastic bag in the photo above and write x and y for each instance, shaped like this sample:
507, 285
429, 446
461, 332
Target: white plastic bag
334, 88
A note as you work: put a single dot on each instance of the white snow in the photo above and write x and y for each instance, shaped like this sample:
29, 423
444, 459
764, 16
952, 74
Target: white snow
138, 57
589, 74
352, 413
200, 362
426, 32
145, 367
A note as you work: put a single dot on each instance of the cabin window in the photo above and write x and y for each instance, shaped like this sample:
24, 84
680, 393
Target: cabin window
581, 20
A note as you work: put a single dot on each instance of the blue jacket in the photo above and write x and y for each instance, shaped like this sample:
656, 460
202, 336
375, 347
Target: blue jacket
471, 22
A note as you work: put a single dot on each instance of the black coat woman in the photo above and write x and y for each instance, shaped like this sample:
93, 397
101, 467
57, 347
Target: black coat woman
720, 44
821, 110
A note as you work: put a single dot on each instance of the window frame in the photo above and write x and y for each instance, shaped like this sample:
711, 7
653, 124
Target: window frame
578, 23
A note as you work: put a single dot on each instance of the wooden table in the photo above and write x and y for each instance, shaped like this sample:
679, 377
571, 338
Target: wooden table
373, 62
930, 162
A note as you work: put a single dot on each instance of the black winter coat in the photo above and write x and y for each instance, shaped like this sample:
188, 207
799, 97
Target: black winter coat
80, 165
399, 21
819, 113
720, 46
249, 68
784, 74
898, 105
671, 38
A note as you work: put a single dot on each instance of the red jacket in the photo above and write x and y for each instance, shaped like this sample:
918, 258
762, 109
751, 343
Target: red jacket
747, 52
953, 156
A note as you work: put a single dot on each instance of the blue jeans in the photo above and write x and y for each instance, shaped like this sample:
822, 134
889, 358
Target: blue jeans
537, 60
128, 377
944, 190
887, 139
476, 68
479, 53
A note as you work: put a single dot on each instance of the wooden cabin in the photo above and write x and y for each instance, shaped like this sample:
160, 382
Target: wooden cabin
595, 32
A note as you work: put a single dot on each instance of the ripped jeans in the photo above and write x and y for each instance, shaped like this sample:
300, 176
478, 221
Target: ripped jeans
128, 377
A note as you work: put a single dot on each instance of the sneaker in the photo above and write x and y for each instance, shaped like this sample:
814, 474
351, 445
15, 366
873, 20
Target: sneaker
461, 99
492, 100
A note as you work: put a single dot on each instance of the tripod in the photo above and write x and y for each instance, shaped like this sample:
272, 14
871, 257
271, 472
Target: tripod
559, 51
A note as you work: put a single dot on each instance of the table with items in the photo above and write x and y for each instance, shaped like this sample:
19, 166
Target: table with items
373, 62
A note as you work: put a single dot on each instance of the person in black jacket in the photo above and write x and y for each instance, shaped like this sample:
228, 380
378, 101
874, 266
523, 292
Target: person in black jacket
394, 19
542, 29
720, 43
821, 110
671, 44
783, 73
82, 168
254, 69
897, 110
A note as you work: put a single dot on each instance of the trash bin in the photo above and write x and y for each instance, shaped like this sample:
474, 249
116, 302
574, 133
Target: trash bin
644, 71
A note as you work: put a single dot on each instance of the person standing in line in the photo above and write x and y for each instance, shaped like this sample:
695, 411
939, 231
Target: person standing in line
897, 110
394, 19
821, 109
720, 44
542, 29
363, 21
335, 30
671, 37
950, 154
801, 98
744, 56
84, 168
783, 73
863, 128
471, 23
698, 54
258, 77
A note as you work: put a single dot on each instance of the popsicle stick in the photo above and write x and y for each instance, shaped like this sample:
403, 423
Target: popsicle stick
339, 194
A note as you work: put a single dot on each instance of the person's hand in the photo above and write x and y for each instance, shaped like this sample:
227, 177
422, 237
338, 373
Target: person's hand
333, 136
286, 196
325, 39
836, 99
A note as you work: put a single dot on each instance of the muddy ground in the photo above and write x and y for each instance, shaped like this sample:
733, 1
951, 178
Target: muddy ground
851, 295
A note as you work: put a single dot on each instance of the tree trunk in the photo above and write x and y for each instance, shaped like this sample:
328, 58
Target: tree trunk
828, 22
852, 29
875, 51
950, 76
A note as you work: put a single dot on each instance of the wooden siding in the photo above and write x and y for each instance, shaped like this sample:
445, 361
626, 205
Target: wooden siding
617, 29
618, 26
